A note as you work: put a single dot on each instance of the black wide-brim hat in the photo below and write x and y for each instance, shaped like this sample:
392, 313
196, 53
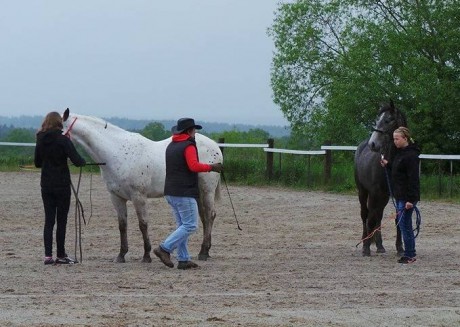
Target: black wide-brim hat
184, 124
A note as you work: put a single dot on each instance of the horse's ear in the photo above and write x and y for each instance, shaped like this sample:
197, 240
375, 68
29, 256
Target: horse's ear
392, 105
66, 114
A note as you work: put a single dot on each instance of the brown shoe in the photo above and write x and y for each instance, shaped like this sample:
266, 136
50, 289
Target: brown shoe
187, 265
164, 256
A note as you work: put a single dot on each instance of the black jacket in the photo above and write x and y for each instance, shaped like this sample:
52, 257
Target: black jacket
405, 174
180, 180
51, 153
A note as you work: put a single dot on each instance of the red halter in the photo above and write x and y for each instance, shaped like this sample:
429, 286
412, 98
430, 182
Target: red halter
67, 133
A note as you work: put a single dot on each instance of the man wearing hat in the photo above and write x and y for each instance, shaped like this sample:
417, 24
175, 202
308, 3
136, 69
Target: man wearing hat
181, 191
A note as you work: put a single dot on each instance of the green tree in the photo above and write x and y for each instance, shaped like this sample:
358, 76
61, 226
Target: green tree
336, 60
254, 135
20, 135
155, 131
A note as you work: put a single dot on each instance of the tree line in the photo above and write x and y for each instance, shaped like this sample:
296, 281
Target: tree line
154, 131
139, 124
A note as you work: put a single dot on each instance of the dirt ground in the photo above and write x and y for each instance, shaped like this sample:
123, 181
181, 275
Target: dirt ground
294, 264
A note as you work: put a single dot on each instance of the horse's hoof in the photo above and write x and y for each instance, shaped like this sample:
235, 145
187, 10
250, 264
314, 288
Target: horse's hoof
119, 259
147, 259
381, 250
366, 253
203, 257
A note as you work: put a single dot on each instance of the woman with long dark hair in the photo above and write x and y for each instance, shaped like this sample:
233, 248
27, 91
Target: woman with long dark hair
51, 153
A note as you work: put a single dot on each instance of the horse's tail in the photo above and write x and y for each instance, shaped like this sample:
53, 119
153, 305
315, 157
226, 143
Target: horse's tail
203, 203
217, 194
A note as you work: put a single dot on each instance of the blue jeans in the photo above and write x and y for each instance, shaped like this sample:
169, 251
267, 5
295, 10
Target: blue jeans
185, 212
405, 225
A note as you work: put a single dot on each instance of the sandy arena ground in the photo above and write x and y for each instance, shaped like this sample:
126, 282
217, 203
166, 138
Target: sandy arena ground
294, 264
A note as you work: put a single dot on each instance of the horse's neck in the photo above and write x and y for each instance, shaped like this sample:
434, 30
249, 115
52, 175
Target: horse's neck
390, 151
97, 139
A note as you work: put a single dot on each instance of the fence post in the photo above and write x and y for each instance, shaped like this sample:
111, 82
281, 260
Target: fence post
271, 144
451, 176
221, 140
327, 164
439, 178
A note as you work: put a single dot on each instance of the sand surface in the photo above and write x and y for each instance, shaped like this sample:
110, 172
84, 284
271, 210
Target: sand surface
294, 264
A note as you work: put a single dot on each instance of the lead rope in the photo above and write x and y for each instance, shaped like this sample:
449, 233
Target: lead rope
79, 215
397, 216
418, 216
79, 211
234, 213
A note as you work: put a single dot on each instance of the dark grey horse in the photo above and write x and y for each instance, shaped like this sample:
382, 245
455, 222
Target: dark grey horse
371, 179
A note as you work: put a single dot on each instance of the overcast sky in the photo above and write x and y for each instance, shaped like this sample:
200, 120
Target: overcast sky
139, 59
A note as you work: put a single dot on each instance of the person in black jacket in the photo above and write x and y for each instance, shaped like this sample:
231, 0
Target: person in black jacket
405, 177
181, 191
51, 152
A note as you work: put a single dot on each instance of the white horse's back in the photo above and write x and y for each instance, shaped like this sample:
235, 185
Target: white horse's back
133, 163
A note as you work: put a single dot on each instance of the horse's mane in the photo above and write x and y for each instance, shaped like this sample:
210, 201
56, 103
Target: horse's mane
100, 121
401, 120
400, 116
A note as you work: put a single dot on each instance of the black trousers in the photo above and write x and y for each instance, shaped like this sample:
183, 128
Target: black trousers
56, 202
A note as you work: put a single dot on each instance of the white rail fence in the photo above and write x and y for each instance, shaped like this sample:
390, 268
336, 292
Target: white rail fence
266, 148
17, 144
326, 150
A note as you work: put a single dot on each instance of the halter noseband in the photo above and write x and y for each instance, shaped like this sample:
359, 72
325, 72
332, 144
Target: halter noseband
378, 131
67, 133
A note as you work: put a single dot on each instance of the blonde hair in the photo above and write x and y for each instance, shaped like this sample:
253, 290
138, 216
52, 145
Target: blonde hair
404, 131
53, 120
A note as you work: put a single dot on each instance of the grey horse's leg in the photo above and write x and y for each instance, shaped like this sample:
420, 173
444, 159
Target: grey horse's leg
122, 212
141, 211
379, 242
374, 222
364, 217
378, 234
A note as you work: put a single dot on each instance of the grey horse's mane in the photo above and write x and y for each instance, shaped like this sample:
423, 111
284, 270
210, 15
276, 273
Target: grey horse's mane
401, 119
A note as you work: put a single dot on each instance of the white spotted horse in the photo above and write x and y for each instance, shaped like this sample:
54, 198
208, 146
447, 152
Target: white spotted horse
135, 170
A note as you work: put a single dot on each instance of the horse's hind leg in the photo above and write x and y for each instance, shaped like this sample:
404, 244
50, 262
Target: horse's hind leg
377, 215
141, 211
122, 212
207, 215
379, 242
364, 217
378, 235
